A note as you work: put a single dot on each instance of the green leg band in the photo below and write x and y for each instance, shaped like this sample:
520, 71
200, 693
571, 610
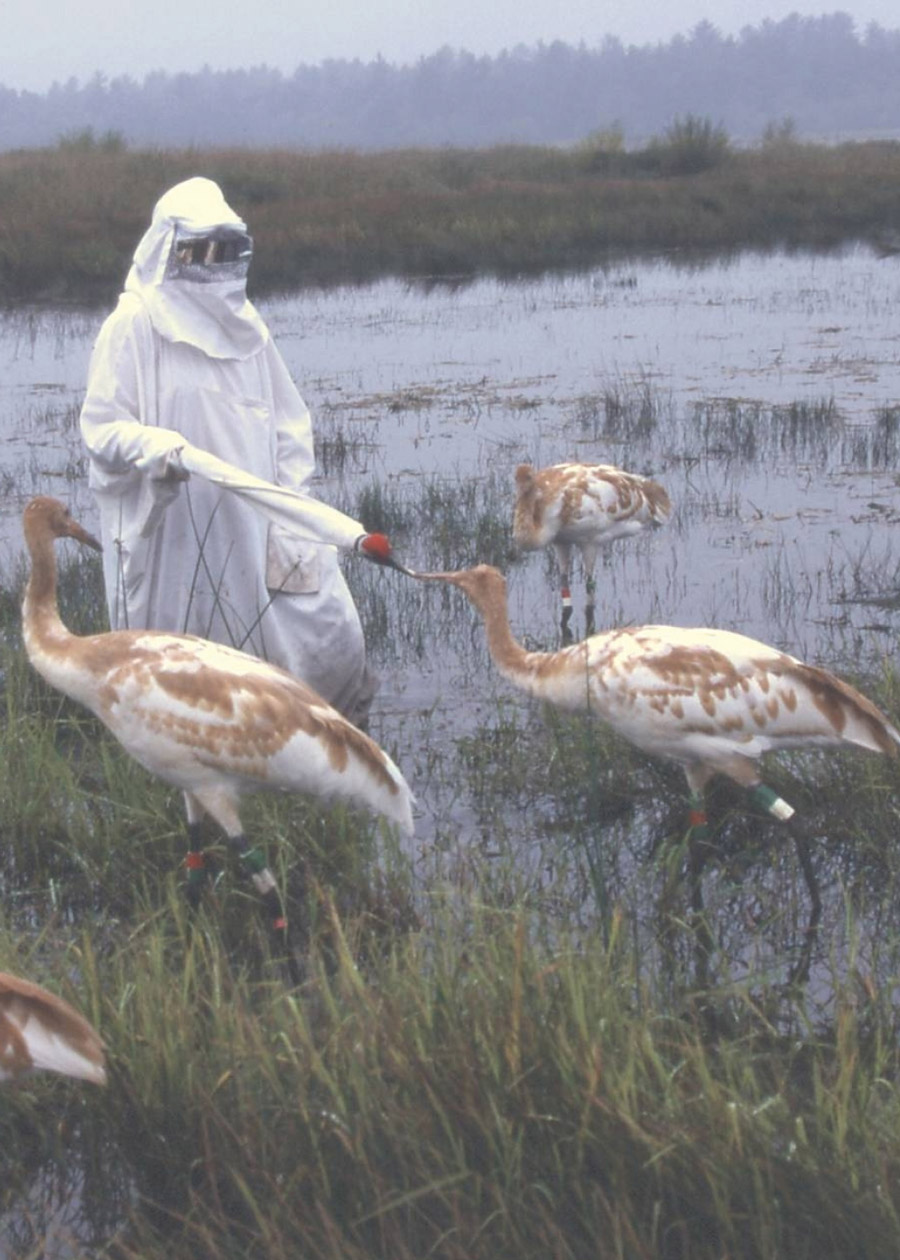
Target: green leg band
254, 860
770, 802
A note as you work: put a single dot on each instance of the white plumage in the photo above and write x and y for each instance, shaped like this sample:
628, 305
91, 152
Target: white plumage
207, 719
710, 700
587, 506
41, 1032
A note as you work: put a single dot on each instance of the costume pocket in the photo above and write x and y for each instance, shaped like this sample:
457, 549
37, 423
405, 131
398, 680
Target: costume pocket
293, 565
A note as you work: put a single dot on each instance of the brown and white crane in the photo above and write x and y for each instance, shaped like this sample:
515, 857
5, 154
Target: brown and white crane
207, 719
587, 506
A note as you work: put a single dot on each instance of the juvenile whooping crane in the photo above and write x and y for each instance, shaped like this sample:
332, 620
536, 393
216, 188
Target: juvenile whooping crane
711, 700
41, 1032
587, 506
207, 719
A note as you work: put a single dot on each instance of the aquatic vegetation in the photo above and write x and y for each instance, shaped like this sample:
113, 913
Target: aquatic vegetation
500, 1047
339, 217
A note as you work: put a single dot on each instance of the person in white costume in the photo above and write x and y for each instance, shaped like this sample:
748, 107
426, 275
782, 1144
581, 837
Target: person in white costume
185, 364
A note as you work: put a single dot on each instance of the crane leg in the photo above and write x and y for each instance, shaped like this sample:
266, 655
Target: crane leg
195, 863
195, 860
800, 971
765, 798
589, 564
566, 612
698, 852
590, 587
253, 862
564, 556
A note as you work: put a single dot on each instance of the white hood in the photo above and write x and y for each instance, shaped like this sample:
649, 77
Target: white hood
215, 316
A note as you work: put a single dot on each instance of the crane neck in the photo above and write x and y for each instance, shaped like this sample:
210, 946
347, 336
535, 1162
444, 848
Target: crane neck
40, 611
560, 677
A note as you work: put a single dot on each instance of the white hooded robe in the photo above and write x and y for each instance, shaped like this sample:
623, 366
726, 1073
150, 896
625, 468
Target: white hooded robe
192, 362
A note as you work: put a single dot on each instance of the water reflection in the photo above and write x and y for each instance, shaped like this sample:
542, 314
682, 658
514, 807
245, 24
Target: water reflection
763, 391
68, 1193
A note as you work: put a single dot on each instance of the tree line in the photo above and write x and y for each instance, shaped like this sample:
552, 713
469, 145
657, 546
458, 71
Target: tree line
817, 75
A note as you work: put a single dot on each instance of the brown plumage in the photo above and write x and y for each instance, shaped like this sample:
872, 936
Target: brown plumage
207, 719
711, 700
41, 1032
586, 506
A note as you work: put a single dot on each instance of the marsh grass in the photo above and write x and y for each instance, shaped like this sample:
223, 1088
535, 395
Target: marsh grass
477, 1090
462, 521
491, 1066
500, 1046
73, 215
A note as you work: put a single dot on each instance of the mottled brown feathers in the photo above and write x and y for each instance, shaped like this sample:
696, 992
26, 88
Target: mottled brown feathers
224, 705
23, 1006
711, 699
841, 704
206, 718
576, 502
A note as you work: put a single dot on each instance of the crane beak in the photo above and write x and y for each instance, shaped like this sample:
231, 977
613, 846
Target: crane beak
432, 577
393, 563
80, 534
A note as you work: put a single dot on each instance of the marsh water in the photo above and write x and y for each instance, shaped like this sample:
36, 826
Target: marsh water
763, 390
755, 387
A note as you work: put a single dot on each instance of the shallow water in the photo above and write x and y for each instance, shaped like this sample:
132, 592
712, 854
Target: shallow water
763, 390
465, 382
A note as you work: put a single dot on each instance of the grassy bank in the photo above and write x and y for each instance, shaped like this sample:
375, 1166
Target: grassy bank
506, 1042
71, 216
480, 1066
510, 1098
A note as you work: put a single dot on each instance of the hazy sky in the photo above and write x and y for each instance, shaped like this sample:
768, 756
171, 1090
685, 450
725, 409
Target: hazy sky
46, 40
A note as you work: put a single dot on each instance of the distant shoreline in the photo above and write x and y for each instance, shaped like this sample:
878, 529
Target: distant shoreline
72, 215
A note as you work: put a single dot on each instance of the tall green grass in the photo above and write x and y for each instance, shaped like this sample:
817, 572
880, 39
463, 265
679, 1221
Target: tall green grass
499, 1047
476, 1090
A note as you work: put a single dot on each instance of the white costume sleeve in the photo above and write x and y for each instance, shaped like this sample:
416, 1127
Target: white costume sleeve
124, 443
294, 510
118, 433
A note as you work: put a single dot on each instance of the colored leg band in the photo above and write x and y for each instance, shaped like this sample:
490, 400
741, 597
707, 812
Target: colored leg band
273, 905
698, 820
195, 862
765, 799
264, 881
254, 860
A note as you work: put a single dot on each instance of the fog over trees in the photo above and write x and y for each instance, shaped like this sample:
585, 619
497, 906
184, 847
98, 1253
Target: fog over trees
819, 76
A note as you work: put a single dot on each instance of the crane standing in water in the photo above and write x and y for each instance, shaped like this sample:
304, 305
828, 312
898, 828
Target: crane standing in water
587, 506
711, 700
